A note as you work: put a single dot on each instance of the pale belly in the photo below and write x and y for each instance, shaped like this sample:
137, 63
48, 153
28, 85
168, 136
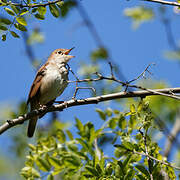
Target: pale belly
52, 86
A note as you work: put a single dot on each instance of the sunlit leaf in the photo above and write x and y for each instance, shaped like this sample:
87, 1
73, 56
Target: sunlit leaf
5, 21
43, 164
39, 16
20, 27
3, 28
54, 10
21, 21
101, 114
139, 15
9, 11
143, 170
42, 10
3, 37
15, 9
14, 34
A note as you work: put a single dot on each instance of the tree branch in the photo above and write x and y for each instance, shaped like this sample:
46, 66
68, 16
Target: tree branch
32, 5
164, 2
92, 100
172, 136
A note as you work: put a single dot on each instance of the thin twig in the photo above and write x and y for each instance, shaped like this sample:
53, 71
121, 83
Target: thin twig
78, 88
157, 160
147, 153
142, 74
101, 77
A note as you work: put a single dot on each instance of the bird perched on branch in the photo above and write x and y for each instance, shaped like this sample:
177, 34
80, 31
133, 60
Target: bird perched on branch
50, 82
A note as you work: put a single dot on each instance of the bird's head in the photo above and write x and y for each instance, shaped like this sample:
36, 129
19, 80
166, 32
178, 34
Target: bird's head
61, 55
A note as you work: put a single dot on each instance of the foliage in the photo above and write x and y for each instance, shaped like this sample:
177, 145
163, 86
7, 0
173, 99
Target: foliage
66, 155
18, 13
139, 15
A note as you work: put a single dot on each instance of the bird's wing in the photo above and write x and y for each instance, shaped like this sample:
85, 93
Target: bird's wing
37, 83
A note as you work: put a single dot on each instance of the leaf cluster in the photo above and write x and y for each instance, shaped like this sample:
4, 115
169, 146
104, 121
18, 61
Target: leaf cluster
67, 155
18, 13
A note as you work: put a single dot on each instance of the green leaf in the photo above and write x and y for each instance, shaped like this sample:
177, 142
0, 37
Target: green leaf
61, 136
3, 1
23, 12
3, 37
101, 114
121, 167
100, 53
9, 11
3, 28
79, 125
43, 164
20, 27
73, 161
112, 123
69, 134
50, 177
35, 173
42, 10
39, 16
21, 21
65, 7
5, 21
128, 145
127, 161
54, 10
139, 14
143, 170
14, 34
55, 162
132, 108
34, 10
72, 147
29, 172
122, 122
92, 170
83, 143
15, 9
109, 112
140, 177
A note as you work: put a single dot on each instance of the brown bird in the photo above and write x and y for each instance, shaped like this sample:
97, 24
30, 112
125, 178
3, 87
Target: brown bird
50, 82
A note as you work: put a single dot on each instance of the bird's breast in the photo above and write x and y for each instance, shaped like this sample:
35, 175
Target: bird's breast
53, 84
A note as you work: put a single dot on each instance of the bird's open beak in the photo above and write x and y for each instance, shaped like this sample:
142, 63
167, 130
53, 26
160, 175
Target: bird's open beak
69, 50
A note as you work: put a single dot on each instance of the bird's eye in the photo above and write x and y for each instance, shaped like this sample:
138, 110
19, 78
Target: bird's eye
59, 52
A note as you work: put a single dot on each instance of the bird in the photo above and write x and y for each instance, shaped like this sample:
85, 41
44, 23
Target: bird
50, 82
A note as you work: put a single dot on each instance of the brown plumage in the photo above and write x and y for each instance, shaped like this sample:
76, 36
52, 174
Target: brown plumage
50, 82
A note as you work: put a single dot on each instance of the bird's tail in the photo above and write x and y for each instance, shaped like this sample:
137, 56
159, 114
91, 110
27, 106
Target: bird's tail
32, 126
32, 121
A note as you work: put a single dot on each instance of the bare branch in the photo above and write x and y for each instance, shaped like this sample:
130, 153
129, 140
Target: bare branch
78, 88
92, 100
164, 2
172, 135
101, 77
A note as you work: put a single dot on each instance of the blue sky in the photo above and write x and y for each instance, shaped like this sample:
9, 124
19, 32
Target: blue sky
131, 49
